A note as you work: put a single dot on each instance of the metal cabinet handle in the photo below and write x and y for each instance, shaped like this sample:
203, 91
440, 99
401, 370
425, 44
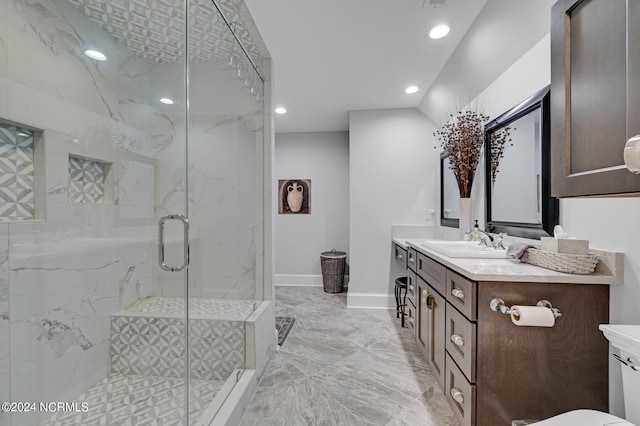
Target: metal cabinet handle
457, 293
632, 363
185, 225
458, 340
411, 320
411, 288
428, 299
411, 260
457, 395
399, 256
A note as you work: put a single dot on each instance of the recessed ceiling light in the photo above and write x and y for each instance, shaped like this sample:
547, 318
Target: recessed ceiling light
166, 101
281, 110
439, 31
94, 54
411, 90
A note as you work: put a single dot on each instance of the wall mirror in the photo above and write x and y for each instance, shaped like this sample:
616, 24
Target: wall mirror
449, 194
517, 170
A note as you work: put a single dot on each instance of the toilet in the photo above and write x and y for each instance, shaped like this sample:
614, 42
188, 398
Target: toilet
626, 338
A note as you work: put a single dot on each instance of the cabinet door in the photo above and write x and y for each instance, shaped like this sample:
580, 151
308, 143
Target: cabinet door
423, 319
431, 328
594, 96
436, 305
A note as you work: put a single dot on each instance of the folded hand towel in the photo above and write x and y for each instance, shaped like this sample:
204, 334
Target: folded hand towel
518, 250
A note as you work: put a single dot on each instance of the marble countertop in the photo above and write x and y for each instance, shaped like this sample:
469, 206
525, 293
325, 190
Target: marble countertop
609, 269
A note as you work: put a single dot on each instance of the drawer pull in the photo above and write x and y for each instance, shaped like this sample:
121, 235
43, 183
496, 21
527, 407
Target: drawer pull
411, 288
457, 293
411, 260
399, 256
457, 395
458, 340
428, 299
411, 320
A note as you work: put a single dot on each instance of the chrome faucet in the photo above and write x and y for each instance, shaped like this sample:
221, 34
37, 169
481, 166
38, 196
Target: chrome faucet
491, 240
486, 240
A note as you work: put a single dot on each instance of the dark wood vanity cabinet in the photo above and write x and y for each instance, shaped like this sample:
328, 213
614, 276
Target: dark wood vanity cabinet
595, 95
539, 372
493, 372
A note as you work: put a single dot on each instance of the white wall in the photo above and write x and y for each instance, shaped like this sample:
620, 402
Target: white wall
394, 170
300, 238
501, 33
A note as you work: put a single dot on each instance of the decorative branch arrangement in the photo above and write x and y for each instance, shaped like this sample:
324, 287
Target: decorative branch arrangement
462, 138
499, 140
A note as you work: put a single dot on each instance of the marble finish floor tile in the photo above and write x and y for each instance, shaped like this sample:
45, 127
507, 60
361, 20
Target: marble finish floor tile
138, 400
344, 366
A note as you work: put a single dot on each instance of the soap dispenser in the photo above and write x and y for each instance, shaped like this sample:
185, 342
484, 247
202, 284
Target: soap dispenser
475, 234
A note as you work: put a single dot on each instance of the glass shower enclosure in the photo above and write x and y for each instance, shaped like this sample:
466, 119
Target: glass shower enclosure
131, 209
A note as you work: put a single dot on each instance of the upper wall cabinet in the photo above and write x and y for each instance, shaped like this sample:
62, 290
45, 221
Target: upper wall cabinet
595, 95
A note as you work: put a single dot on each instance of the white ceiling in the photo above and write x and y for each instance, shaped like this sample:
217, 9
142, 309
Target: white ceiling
334, 56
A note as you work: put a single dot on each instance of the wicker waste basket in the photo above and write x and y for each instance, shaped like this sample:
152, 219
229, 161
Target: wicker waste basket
332, 264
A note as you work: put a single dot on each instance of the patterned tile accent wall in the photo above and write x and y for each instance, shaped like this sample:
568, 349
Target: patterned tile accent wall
16, 173
86, 180
163, 28
150, 346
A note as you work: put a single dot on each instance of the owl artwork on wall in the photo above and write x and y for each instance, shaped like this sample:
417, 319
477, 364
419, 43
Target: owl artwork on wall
294, 196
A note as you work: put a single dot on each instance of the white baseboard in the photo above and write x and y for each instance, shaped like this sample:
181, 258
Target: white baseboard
302, 280
371, 300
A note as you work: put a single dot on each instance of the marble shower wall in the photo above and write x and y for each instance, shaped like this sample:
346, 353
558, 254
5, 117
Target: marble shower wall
62, 277
5, 372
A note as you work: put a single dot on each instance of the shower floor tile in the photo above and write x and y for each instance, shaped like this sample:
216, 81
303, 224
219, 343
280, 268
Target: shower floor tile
139, 400
223, 309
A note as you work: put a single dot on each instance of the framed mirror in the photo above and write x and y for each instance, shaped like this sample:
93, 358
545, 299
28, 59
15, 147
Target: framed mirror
518, 170
449, 194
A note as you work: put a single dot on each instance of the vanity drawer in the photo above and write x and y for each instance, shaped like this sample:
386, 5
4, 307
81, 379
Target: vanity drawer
400, 255
461, 394
461, 335
432, 272
412, 286
412, 254
461, 293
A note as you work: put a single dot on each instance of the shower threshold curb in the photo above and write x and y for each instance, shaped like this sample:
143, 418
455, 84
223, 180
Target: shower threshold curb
233, 407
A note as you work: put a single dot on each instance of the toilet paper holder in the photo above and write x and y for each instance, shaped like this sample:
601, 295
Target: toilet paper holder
498, 305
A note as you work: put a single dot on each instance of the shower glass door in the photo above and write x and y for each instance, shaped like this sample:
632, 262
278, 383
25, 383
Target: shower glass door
123, 125
225, 200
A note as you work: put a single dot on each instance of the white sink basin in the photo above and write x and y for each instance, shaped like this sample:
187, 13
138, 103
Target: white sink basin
470, 249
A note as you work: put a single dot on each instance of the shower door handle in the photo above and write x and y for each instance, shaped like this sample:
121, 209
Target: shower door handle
185, 225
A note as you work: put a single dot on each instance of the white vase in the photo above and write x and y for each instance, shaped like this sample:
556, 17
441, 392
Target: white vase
466, 216
294, 197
